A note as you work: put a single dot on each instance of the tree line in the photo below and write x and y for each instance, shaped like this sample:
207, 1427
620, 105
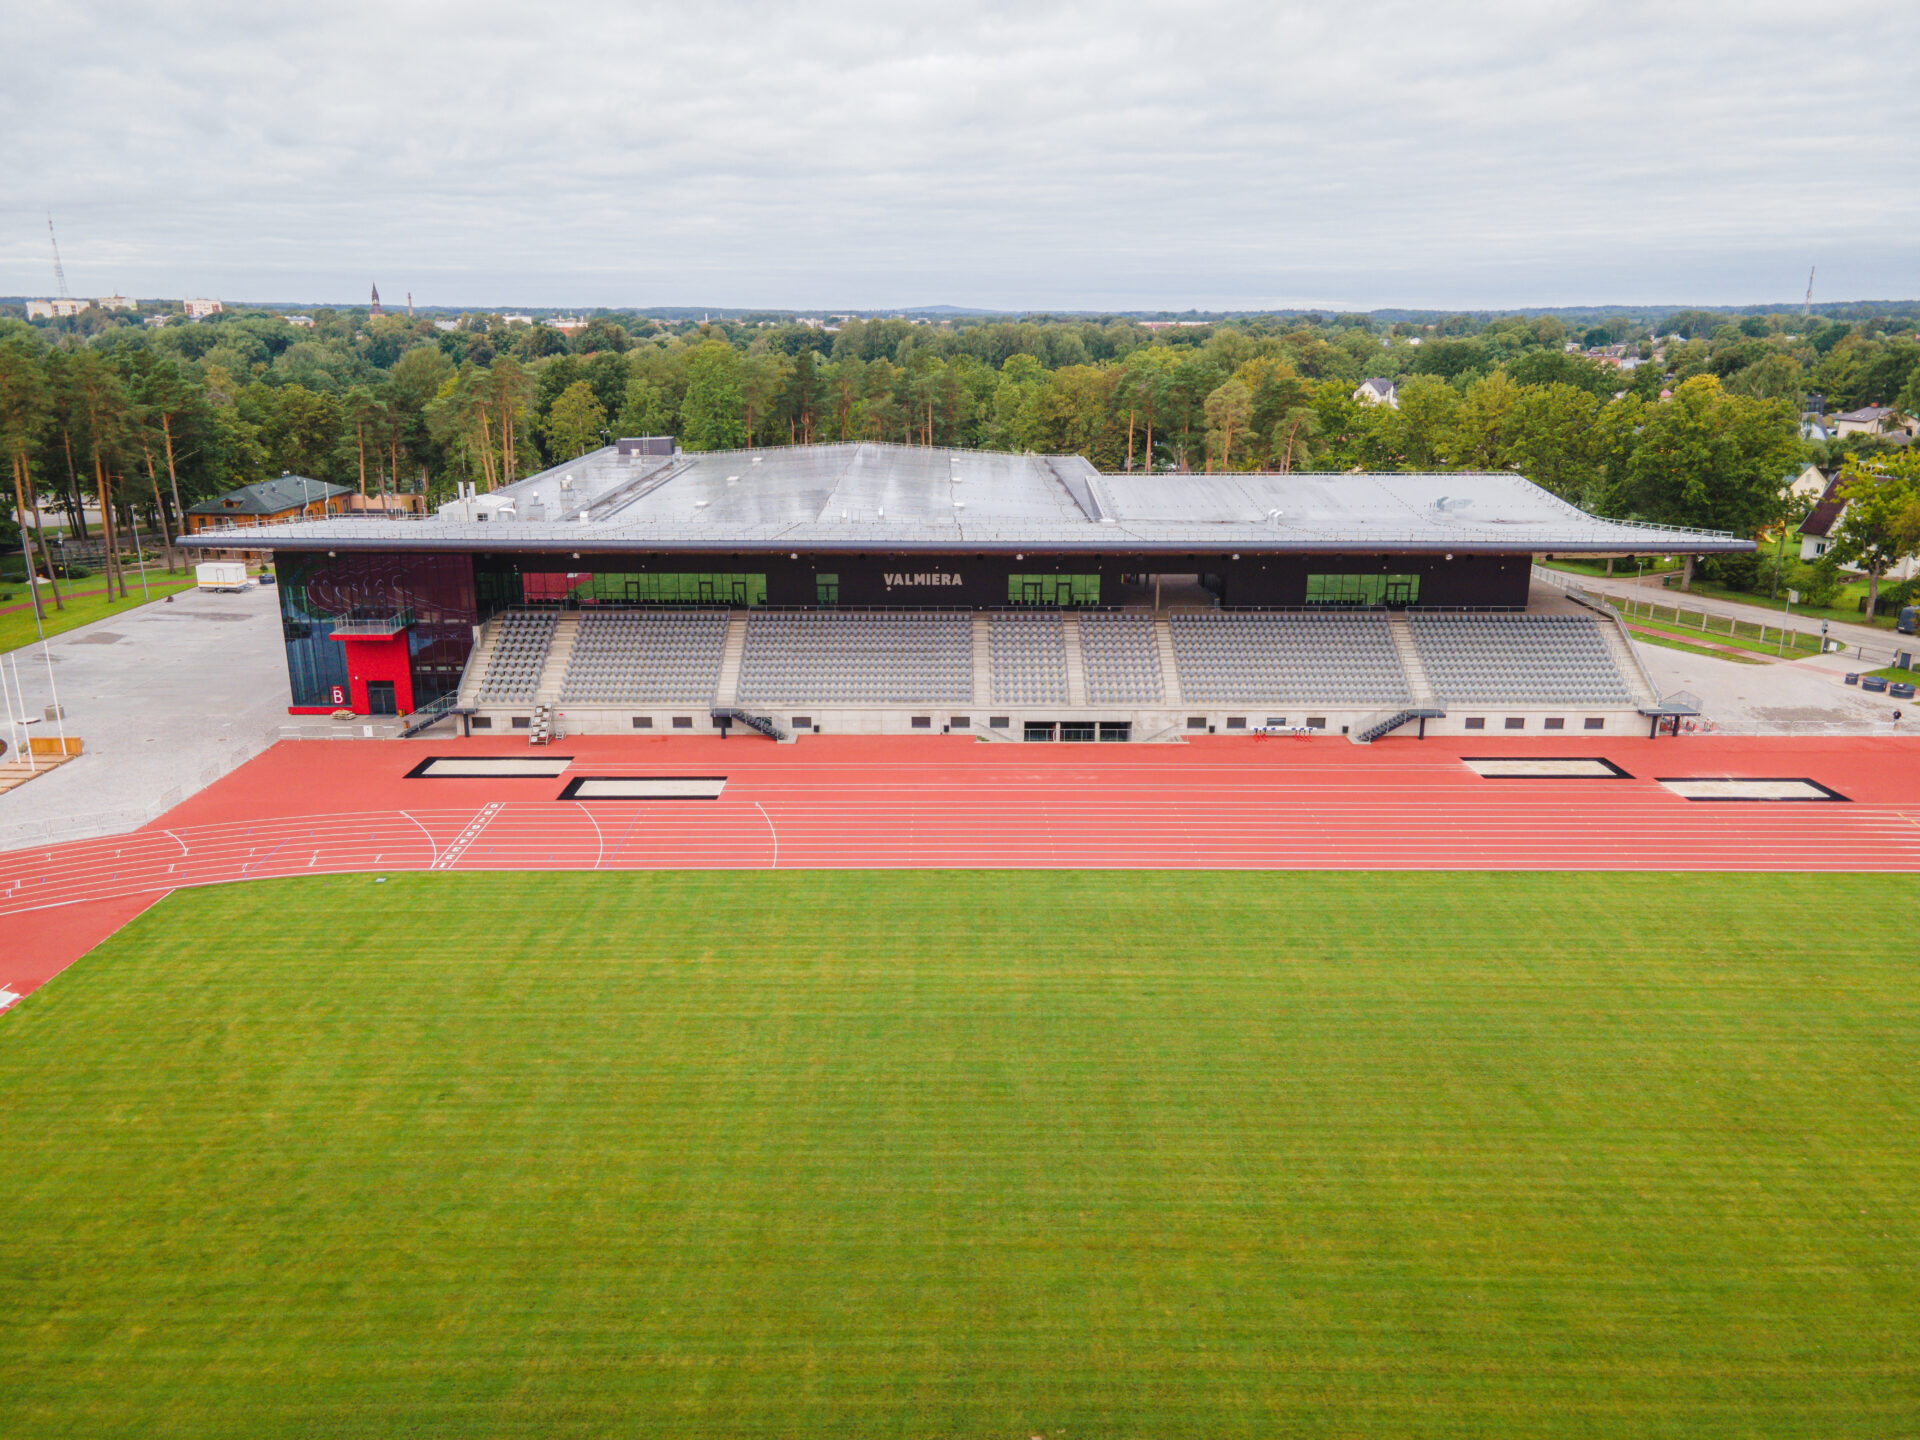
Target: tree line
138, 422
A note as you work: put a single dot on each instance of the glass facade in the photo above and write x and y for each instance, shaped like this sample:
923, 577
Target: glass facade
1358, 590
1053, 589
642, 587
436, 592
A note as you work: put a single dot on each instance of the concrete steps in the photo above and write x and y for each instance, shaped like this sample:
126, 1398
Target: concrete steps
565, 632
1076, 663
726, 692
982, 660
1417, 682
486, 636
1169, 662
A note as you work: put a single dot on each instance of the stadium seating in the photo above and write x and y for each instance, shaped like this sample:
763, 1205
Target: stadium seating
629, 656
1121, 659
1029, 659
856, 658
519, 657
1518, 660
1334, 659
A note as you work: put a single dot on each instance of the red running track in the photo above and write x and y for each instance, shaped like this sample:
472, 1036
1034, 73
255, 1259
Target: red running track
326, 807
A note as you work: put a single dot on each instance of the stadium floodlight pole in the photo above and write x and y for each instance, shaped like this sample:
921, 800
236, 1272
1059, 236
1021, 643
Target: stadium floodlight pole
139, 554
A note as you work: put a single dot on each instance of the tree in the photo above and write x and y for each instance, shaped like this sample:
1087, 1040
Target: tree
1710, 459
574, 423
22, 399
1880, 526
1552, 440
1229, 419
710, 416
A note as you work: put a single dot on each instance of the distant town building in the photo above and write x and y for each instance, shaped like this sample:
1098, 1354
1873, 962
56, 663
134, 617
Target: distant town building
1378, 392
517, 319
1874, 420
1821, 528
305, 322
114, 302
54, 309
568, 323
200, 309
446, 324
156, 321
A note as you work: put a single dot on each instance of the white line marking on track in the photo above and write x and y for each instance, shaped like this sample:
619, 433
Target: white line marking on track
602, 839
459, 847
176, 840
771, 831
430, 843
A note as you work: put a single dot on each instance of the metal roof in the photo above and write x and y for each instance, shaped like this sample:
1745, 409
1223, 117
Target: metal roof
269, 497
867, 497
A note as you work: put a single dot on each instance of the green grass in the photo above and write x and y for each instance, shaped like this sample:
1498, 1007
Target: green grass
83, 608
1897, 676
984, 1154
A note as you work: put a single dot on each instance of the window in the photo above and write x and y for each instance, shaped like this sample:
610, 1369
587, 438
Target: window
523, 722
1079, 730
1039, 730
683, 722
1596, 722
826, 589
997, 722
1236, 722
643, 722
1116, 730
1516, 722
1476, 722
1393, 590
643, 587
1196, 722
922, 722
1316, 722
959, 722
1276, 722
1053, 589
483, 722
1553, 722
803, 722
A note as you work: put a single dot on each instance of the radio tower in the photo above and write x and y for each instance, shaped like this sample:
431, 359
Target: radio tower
59, 273
1807, 307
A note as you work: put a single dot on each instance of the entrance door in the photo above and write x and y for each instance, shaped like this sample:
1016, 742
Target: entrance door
1030, 592
706, 590
380, 698
1399, 593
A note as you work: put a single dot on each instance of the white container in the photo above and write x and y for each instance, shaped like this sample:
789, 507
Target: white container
221, 575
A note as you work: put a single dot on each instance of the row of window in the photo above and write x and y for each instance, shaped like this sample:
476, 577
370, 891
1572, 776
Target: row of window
1319, 722
1363, 590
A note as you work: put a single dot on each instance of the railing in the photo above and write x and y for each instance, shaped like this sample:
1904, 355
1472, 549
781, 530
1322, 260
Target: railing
364, 621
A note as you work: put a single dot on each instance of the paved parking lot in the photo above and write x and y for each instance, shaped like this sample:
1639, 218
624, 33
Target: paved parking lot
167, 698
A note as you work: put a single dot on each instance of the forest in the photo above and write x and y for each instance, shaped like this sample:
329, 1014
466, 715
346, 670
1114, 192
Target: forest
1687, 418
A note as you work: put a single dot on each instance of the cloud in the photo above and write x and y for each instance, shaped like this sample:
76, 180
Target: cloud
1018, 155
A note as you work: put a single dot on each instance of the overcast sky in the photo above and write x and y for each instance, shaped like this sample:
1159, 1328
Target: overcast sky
1243, 154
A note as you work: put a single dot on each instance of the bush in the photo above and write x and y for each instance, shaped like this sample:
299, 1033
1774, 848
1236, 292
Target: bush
1748, 572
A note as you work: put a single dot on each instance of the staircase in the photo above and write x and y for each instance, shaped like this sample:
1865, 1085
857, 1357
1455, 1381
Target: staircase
565, 631
1076, 664
982, 660
543, 728
1169, 662
1626, 658
1418, 685
727, 715
727, 690
485, 637
1385, 724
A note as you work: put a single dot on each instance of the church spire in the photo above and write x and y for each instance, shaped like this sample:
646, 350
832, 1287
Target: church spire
376, 300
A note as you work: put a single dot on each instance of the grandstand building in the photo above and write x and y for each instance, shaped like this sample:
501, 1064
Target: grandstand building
890, 589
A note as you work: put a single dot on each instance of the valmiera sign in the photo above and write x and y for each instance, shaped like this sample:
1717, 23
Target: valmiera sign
919, 581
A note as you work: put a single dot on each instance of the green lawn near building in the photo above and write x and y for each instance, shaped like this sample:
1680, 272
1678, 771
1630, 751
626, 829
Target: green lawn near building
943, 1154
86, 602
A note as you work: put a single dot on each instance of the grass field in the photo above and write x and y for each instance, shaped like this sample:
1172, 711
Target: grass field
89, 604
977, 1154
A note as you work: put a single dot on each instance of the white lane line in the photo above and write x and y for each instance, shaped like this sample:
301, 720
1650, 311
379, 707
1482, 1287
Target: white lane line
453, 852
176, 840
430, 842
771, 831
602, 839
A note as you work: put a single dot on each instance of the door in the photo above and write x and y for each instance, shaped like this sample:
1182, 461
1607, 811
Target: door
380, 698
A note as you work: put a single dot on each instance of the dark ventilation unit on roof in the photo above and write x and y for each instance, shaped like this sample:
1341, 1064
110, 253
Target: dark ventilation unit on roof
644, 445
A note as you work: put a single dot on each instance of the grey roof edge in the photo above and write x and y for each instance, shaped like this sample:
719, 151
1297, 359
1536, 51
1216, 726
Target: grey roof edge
502, 541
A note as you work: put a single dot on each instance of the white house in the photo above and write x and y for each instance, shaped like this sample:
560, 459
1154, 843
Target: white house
54, 309
1822, 527
199, 309
1809, 484
1378, 392
1873, 420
